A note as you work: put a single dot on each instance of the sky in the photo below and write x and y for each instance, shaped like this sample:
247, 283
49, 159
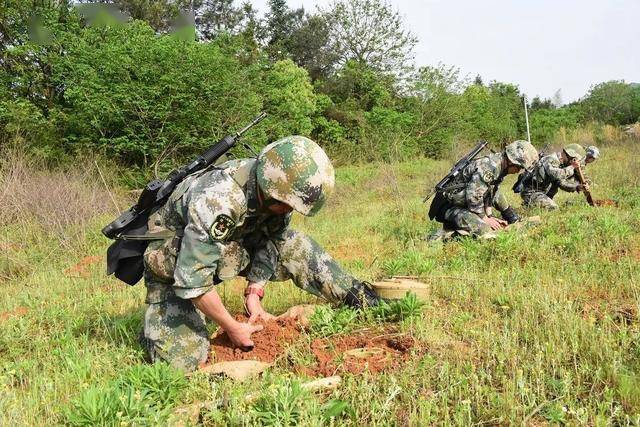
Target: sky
540, 45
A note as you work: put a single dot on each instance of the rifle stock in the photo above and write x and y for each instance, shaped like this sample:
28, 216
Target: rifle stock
583, 182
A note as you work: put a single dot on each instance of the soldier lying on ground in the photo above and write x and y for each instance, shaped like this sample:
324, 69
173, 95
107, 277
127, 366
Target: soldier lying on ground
593, 154
554, 170
467, 203
233, 220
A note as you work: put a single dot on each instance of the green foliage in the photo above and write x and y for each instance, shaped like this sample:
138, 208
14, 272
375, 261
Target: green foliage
545, 123
613, 102
145, 394
397, 310
289, 97
281, 405
326, 321
76, 80
494, 113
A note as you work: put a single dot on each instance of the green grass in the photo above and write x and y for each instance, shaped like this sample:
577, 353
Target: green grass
538, 325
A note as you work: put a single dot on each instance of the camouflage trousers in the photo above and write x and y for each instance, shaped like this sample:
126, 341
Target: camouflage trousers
175, 331
458, 218
463, 219
538, 199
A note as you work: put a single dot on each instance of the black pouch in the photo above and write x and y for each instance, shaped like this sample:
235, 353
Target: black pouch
125, 257
439, 205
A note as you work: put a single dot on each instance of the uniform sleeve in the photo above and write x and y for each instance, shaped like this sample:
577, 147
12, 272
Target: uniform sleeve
265, 259
569, 184
474, 194
562, 176
211, 219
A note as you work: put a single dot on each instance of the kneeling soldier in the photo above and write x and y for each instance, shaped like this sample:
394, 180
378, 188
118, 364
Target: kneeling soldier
467, 203
592, 155
233, 220
553, 171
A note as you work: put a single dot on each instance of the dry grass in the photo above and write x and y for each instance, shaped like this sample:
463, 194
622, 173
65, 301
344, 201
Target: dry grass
55, 200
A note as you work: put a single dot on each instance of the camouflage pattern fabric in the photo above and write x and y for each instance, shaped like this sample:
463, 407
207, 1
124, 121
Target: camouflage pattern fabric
226, 234
548, 175
475, 194
539, 200
296, 171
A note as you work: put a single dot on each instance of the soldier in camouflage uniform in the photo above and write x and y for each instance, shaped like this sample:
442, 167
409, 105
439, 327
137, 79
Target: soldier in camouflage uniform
592, 155
233, 220
553, 171
468, 203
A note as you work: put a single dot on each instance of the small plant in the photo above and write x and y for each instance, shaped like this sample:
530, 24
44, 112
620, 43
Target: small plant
142, 394
281, 405
327, 321
396, 310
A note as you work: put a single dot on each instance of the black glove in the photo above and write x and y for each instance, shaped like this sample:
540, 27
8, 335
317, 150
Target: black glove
510, 215
361, 295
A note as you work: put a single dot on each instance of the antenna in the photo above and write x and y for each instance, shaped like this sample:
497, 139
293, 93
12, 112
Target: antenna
526, 116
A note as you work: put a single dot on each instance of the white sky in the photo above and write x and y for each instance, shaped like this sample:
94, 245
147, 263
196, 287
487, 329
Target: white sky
540, 45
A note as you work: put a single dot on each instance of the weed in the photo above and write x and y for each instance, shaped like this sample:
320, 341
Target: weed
281, 405
143, 395
327, 321
396, 310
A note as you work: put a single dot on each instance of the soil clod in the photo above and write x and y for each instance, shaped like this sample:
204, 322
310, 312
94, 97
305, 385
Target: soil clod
605, 203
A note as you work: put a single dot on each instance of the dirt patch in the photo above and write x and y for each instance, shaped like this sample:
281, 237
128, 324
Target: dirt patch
18, 312
606, 203
358, 353
80, 269
375, 352
269, 343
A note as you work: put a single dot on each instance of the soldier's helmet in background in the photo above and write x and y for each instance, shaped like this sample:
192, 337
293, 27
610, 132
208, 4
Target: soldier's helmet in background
296, 171
593, 152
575, 151
522, 153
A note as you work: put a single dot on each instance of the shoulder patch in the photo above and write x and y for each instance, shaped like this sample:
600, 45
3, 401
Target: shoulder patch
488, 176
222, 226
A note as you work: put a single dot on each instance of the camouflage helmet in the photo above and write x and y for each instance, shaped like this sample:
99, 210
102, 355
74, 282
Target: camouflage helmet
296, 171
593, 152
522, 153
575, 151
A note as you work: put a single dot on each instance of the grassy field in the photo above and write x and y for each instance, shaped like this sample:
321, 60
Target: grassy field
538, 326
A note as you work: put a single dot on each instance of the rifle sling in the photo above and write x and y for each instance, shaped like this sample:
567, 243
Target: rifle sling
159, 235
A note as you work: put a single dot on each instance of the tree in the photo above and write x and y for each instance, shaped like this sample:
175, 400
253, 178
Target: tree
439, 107
540, 104
214, 17
159, 14
613, 102
281, 22
309, 47
370, 32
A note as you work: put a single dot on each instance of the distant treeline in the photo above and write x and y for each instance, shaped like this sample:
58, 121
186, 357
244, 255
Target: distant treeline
145, 84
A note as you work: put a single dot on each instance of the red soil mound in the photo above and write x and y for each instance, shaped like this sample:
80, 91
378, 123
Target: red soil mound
373, 352
358, 353
269, 343
606, 202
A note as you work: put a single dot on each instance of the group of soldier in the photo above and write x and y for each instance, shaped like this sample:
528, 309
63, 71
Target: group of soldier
469, 204
232, 219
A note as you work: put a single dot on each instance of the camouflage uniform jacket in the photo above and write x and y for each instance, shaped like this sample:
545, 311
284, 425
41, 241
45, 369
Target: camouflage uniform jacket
224, 233
477, 187
549, 172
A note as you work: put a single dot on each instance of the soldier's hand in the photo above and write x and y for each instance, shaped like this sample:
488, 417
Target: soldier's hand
240, 335
494, 223
583, 187
575, 163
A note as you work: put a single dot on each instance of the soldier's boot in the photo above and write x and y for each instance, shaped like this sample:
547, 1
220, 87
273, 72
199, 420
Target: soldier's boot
510, 215
361, 295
